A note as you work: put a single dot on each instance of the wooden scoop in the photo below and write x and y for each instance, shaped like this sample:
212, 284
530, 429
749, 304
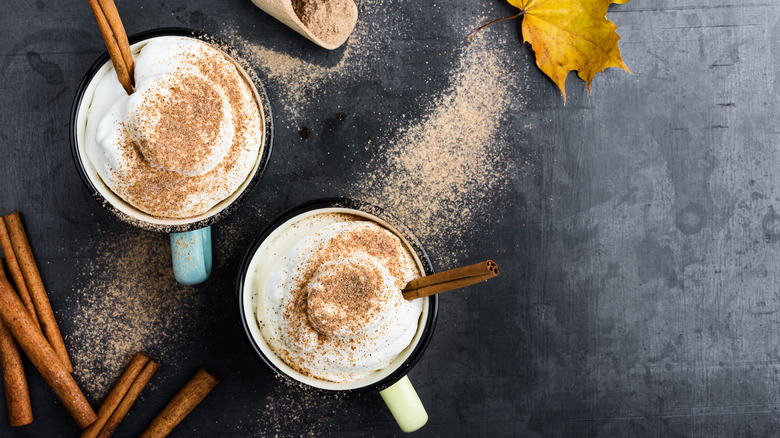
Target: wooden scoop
283, 11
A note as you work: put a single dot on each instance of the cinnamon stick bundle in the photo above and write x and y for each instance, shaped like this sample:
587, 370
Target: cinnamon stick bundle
132, 394
117, 394
16, 271
32, 278
115, 38
17, 395
181, 405
43, 356
449, 280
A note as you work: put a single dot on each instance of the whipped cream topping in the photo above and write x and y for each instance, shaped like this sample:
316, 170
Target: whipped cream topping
188, 136
334, 310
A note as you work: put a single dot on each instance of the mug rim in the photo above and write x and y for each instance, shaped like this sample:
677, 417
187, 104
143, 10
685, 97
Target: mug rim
411, 239
266, 148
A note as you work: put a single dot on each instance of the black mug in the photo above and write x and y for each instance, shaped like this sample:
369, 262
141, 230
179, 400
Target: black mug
392, 383
190, 237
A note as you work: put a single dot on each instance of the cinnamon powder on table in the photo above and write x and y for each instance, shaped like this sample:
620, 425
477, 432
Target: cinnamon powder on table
326, 19
126, 300
441, 172
299, 80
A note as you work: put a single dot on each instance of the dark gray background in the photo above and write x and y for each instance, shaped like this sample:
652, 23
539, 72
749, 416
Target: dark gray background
639, 292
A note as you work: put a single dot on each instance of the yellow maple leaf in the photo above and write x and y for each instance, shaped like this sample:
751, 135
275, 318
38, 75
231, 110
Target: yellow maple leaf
571, 35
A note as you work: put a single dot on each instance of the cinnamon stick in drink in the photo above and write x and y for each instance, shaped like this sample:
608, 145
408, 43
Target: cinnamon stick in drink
43, 356
118, 29
16, 272
114, 398
17, 395
449, 280
182, 404
108, 25
130, 397
21, 248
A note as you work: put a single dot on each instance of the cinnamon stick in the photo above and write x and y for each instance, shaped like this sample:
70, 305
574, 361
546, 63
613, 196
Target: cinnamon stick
113, 45
181, 405
127, 402
114, 398
24, 255
43, 356
16, 272
449, 280
17, 395
118, 29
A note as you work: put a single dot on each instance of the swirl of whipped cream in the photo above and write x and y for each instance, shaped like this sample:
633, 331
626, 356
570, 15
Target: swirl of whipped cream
335, 310
188, 136
181, 122
350, 297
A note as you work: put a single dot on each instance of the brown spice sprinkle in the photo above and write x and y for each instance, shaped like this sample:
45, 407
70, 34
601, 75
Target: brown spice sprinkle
439, 172
336, 298
181, 127
345, 299
185, 125
126, 300
286, 410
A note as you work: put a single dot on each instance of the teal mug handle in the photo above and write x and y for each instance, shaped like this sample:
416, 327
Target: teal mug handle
405, 405
191, 253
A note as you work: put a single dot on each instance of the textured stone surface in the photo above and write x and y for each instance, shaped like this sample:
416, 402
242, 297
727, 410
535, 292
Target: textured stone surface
638, 244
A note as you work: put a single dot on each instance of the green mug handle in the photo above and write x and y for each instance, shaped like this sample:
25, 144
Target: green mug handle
405, 405
191, 254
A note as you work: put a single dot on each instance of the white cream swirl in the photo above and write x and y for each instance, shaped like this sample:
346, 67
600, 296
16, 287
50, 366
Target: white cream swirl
189, 153
186, 139
335, 308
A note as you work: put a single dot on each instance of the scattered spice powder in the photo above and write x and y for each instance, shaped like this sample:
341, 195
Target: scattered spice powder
127, 300
182, 127
289, 409
440, 174
298, 80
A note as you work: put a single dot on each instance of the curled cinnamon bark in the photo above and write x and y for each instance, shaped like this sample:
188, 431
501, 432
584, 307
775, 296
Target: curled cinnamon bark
16, 272
17, 395
115, 38
132, 394
43, 356
450, 280
21, 248
114, 398
182, 404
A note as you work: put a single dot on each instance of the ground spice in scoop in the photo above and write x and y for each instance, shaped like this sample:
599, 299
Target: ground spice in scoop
326, 19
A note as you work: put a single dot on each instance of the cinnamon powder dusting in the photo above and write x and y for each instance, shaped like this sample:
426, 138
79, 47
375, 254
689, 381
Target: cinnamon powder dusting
331, 310
178, 132
441, 172
188, 123
127, 300
439, 175
285, 411
345, 300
